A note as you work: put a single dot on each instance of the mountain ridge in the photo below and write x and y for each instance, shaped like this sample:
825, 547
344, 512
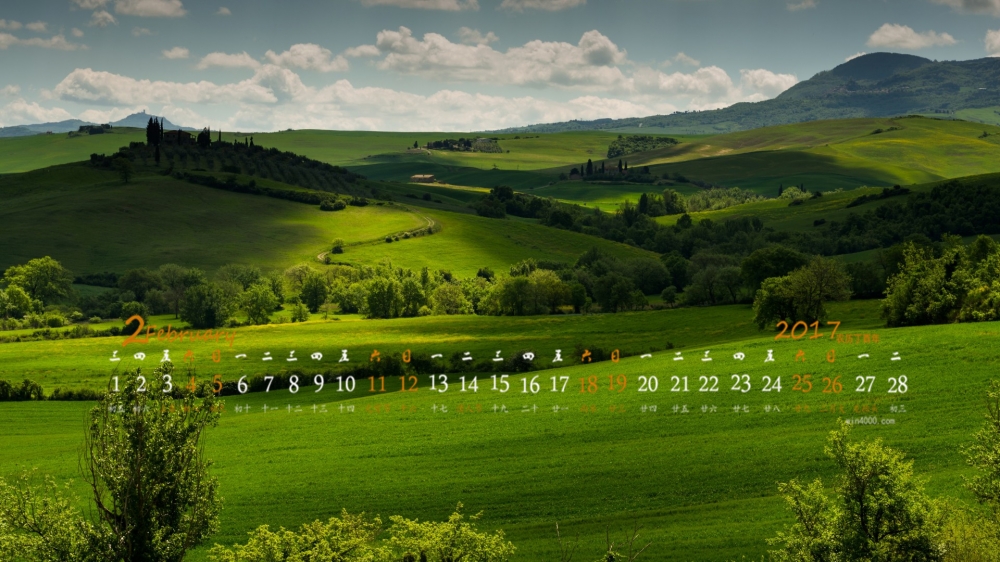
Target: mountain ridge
872, 85
137, 120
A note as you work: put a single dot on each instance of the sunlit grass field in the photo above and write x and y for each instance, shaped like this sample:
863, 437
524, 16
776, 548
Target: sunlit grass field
702, 484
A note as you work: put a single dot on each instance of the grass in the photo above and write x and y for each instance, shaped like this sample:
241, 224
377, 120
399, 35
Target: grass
23, 154
703, 485
105, 225
84, 363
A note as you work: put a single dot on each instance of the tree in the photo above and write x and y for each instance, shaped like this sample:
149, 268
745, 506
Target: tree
590, 167
772, 261
314, 292
448, 298
166, 501
124, 168
880, 511
416, 144
14, 302
615, 292
984, 454
773, 302
384, 298
338, 246
801, 294
673, 202
139, 282
413, 296
258, 301
547, 290
175, 281
152, 494
243, 275
620, 169
44, 279
156, 155
205, 138
206, 306
131, 309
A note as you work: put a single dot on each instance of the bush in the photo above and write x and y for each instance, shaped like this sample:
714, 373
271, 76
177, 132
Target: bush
326, 205
669, 295
94, 320
339, 205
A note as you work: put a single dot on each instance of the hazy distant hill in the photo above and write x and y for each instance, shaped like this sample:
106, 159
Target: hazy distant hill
137, 120
875, 85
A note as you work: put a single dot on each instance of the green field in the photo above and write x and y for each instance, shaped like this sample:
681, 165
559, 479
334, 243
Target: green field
110, 226
703, 485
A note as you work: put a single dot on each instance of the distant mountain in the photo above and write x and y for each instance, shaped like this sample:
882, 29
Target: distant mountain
138, 120
875, 85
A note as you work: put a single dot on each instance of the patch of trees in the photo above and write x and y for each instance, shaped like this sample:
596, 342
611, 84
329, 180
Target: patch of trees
625, 145
466, 145
886, 193
802, 294
716, 198
326, 202
949, 284
94, 129
961, 207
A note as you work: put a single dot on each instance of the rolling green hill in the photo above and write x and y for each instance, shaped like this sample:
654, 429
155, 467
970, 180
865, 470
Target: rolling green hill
105, 225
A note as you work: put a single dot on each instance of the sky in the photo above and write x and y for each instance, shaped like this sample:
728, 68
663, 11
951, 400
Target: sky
445, 65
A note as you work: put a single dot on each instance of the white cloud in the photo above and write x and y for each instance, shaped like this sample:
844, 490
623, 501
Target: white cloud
308, 56
109, 115
591, 63
140, 31
102, 18
90, 4
973, 6
151, 8
10, 90
684, 59
224, 11
475, 37
57, 42
85, 85
548, 5
38, 26
765, 82
176, 53
855, 55
993, 42
77, 32
904, 37
11, 25
225, 60
362, 51
803, 5
445, 5
20, 112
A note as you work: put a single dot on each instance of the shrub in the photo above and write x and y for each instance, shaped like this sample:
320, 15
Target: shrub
94, 319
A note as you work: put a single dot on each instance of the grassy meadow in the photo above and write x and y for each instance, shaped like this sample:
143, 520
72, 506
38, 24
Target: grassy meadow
703, 485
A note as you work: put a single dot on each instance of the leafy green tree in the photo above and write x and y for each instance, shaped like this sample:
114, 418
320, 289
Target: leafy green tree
314, 292
176, 280
14, 302
523, 268
984, 454
124, 168
44, 279
240, 274
156, 509
548, 292
673, 203
139, 281
276, 282
384, 298
133, 308
448, 298
206, 306
348, 538
615, 292
166, 502
926, 290
880, 511
413, 296
821, 281
448, 541
773, 302
772, 261
258, 301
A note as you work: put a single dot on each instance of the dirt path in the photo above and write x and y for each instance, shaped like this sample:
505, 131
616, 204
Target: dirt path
431, 224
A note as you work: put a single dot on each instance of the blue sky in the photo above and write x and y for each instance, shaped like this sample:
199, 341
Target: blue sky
445, 64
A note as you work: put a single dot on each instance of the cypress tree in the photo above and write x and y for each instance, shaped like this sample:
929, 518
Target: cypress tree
619, 165
590, 167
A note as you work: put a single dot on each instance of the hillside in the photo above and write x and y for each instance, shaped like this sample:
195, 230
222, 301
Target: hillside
873, 85
106, 225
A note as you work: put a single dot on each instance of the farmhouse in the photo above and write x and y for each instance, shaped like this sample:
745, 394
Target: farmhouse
423, 178
177, 137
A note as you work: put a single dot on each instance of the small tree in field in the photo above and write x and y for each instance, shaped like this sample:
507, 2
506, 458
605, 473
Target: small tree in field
124, 168
880, 511
153, 498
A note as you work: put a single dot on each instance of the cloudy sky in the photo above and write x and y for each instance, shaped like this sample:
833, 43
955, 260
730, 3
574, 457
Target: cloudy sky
266, 65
